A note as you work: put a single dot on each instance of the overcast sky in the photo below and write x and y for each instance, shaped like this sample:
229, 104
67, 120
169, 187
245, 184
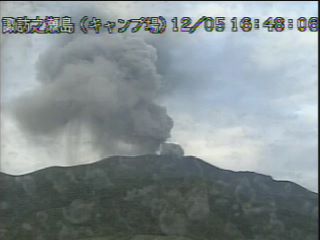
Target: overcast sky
241, 101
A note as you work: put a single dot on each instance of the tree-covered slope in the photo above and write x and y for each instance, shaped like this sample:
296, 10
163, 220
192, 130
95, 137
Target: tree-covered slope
154, 197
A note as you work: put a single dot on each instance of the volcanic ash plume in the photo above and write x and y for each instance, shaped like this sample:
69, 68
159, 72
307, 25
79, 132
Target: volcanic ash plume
172, 149
107, 84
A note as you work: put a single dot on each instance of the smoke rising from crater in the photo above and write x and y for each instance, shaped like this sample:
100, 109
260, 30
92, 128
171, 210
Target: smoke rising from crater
105, 84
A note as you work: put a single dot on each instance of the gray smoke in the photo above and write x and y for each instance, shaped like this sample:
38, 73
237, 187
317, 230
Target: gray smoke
171, 149
106, 84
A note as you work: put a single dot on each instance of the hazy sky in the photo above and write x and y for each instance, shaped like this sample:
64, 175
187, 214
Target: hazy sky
241, 101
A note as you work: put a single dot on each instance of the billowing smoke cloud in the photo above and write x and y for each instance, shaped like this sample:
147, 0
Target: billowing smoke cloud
171, 149
105, 84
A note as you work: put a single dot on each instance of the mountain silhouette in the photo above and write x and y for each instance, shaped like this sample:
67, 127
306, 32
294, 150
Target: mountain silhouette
154, 197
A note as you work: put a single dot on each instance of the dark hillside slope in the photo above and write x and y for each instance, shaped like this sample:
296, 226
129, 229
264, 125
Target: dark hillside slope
152, 197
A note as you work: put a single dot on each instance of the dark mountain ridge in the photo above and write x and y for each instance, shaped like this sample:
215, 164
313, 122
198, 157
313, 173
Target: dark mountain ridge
154, 197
